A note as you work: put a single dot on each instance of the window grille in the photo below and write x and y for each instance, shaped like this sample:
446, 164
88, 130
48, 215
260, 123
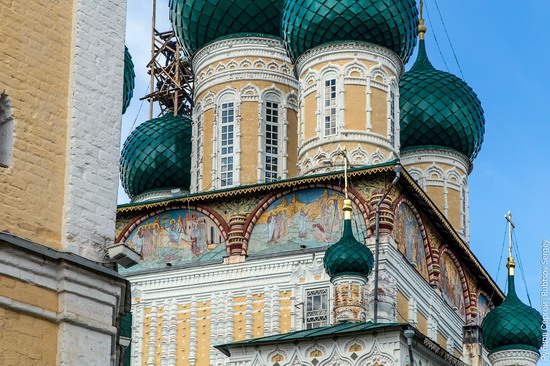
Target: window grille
330, 107
271, 141
227, 112
316, 308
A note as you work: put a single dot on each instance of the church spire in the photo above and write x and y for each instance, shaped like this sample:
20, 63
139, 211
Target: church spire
421, 27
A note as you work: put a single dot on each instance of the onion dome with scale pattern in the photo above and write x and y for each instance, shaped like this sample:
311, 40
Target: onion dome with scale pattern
348, 256
157, 155
198, 22
388, 23
439, 110
129, 80
512, 325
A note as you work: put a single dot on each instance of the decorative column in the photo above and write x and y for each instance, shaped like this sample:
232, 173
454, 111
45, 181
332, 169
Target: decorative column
235, 245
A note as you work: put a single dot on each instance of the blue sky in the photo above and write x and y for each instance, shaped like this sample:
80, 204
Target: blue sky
503, 50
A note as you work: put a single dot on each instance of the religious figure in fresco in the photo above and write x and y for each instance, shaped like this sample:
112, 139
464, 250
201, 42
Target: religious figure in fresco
483, 308
451, 286
310, 218
178, 237
408, 234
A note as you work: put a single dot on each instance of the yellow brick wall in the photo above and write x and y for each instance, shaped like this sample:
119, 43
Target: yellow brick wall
356, 104
258, 316
441, 340
379, 115
310, 116
203, 334
437, 196
285, 310
239, 318
26, 341
455, 208
35, 60
249, 142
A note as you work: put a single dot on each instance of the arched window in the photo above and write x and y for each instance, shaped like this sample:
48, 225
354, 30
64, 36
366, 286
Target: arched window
272, 137
330, 104
226, 138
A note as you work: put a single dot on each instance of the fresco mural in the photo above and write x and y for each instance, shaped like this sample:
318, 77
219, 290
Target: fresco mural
483, 308
310, 218
408, 234
451, 287
176, 237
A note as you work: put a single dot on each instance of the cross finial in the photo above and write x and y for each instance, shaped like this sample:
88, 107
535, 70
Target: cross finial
421, 27
347, 201
510, 265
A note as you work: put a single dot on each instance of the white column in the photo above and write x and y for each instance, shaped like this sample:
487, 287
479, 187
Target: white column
248, 314
193, 332
152, 335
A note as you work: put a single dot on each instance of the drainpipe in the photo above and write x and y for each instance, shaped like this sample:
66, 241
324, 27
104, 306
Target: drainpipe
397, 169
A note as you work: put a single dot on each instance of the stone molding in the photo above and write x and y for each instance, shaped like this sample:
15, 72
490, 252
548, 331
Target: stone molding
514, 358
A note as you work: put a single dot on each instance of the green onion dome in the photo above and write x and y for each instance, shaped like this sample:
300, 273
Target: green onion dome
348, 256
129, 80
157, 155
389, 23
198, 22
439, 110
512, 325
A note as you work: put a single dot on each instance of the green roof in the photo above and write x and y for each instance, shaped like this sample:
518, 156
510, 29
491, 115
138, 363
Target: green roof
389, 23
198, 22
512, 325
157, 155
348, 256
439, 109
129, 80
341, 329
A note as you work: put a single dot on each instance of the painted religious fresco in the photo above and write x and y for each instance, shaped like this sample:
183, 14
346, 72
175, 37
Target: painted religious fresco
307, 218
451, 286
483, 308
408, 234
176, 237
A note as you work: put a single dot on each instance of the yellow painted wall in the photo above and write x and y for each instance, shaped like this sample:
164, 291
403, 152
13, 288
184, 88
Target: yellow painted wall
292, 147
239, 324
402, 308
203, 334
356, 104
285, 308
436, 194
249, 142
455, 208
258, 316
379, 114
25, 340
28, 293
146, 332
208, 133
441, 340
310, 116
183, 333
422, 322
35, 60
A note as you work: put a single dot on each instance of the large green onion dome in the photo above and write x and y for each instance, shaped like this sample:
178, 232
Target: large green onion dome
389, 23
129, 80
439, 110
197, 22
348, 256
157, 155
512, 325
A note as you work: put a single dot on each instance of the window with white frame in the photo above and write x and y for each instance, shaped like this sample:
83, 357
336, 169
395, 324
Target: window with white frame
6, 131
392, 117
330, 103
271, 138
227, 142
198, 153
316, 308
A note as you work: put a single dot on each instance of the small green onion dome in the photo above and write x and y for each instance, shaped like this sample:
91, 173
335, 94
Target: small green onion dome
198, 22
157, 155
439, 110
348, 256
129, 80
512, 325
389, 23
